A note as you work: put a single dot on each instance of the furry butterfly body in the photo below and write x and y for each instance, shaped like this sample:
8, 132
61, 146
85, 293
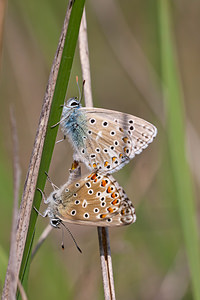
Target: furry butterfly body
105, 140
93, 200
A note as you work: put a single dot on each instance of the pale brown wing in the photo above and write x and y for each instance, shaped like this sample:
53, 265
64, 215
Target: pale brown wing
96, 200
113, 138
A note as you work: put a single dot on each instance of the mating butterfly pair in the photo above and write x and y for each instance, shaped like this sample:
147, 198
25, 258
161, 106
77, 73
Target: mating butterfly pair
105, 141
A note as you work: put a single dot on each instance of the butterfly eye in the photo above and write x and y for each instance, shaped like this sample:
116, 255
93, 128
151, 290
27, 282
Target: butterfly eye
54, 196
73, 102
55, 222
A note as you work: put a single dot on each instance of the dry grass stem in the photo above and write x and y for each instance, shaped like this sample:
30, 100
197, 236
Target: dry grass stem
11, 277
31, 180
131, 58
2, 16
41, 240
85, 63
22, 291
104, 243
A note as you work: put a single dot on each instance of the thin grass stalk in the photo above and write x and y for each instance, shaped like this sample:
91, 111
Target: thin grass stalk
103, 234
45, 137
11, 279
176, 137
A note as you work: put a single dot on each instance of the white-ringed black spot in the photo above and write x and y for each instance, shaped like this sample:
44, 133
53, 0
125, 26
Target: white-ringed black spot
77, 202
116, 143
104, 124
112, 147
103, 204
127, 151
96, 210
116, 162
98, 194
89, 132
77, 184
130, 121
84, 137
102, 198
86, 215
112, 133
108, 167
88, 184
75, 195
73, 212
105, 150
90, 192
82, 151
97, 150
109, 220
131, 128
92, 155
66, 190
92, 121
84, 204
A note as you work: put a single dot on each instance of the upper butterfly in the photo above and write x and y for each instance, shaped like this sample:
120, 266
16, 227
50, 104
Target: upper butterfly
105, 140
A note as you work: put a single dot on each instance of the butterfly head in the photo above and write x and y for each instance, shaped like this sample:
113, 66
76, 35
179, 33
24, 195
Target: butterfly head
72, 105
53, 201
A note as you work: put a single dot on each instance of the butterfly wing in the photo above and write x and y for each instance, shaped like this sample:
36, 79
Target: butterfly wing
95, 200
112, 138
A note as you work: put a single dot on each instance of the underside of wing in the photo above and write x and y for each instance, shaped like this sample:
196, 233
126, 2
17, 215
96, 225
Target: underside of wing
96, 200
113, 138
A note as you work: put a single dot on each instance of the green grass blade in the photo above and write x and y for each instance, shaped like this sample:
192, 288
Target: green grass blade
58, 99
176, 137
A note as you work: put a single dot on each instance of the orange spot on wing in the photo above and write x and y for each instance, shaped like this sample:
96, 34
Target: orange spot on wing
120, 129
125, 148
120, 155
114, 202
114, 158
103, 216
103, 183
94, 176
109, 189
125, 139
123, 212
94, 165
110, 209
113, 195
106, 163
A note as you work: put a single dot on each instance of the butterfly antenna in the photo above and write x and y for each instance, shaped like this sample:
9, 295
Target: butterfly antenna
79, 249
78, 89
62, 244
80, 92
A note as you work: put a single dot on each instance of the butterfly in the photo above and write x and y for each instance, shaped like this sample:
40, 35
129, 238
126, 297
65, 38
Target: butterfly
92, 200
105, 140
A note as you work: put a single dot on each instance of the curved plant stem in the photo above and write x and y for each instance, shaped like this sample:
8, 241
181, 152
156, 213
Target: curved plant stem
104, 243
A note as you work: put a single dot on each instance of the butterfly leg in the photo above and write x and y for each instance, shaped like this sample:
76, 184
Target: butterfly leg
61, 140
52, 184
39, 213
43, 196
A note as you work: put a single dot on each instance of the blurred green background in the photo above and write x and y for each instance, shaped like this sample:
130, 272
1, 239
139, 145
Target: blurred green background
149, 257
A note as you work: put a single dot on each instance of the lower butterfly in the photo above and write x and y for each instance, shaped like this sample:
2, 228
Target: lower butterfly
105, 140
94, 200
